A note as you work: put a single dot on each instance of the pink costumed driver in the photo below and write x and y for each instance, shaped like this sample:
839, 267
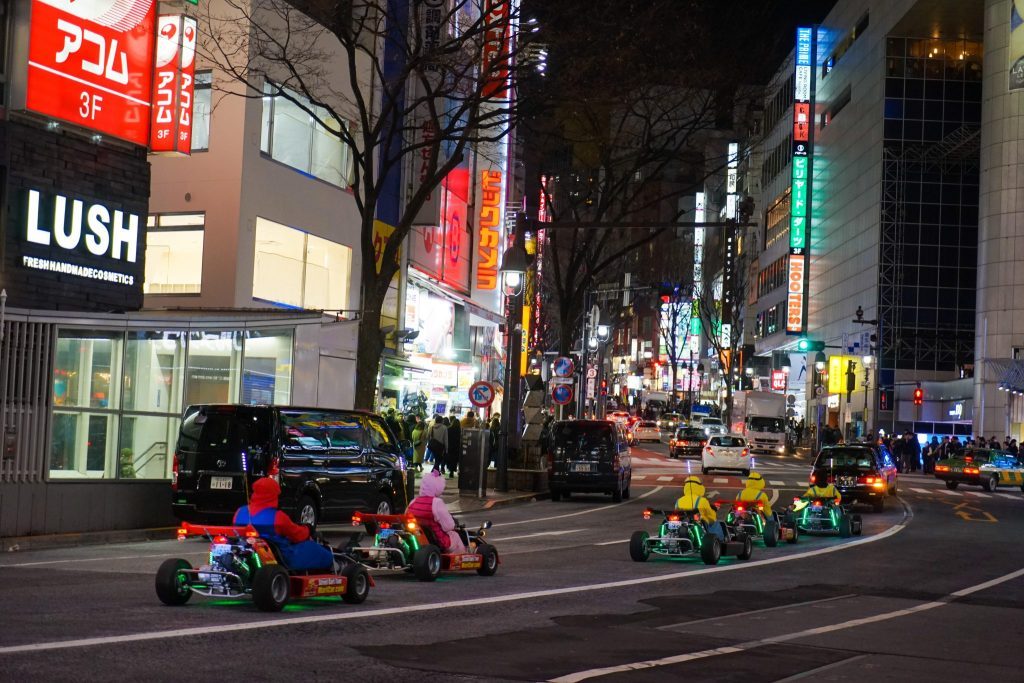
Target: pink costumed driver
431, 513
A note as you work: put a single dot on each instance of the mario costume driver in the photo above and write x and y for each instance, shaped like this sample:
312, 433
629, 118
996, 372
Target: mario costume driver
292, 540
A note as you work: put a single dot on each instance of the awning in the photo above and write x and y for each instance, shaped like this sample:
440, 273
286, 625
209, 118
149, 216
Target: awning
421, 280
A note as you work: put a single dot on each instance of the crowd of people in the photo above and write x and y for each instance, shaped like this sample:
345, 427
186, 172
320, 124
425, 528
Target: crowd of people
437, 441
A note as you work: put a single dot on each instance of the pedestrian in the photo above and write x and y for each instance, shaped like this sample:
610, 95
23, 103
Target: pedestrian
800, 431
454, 445
1014, 449
899, 454
437, 442
545, 434
470, 421
931, 454
419, 442
913, 451
495, 429
392, 421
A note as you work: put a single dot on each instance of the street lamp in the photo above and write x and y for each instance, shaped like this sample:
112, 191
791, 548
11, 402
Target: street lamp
514, 264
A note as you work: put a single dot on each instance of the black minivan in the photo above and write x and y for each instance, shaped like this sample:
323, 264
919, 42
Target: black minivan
329, 463
589, 456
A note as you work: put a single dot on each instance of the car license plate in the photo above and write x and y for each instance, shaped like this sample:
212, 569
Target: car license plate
846, 481
224, 483
384, 533
581, 467
955, 469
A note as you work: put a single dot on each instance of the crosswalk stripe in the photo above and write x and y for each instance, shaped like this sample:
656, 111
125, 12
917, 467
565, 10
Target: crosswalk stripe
921, 490
1008, 495
978, 494
664, 478
948, 492
777, 483
639, 476
802, 483
720, 480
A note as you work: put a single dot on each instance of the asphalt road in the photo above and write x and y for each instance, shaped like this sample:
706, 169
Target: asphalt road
934, 590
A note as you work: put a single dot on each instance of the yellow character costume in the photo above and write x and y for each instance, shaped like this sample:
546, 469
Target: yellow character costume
753, 492
693, 499
830, 491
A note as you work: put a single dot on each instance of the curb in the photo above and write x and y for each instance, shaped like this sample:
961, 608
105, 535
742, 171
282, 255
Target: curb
481, 505
48, 541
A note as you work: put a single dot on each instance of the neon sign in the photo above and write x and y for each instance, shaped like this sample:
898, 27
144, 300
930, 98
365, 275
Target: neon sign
800, 187
490, 232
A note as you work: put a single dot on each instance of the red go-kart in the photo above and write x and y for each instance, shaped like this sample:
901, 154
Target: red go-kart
399, 542
243, 563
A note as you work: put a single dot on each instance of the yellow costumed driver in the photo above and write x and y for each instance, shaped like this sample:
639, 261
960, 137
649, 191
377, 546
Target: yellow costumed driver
826, 492
753, 492
693, 499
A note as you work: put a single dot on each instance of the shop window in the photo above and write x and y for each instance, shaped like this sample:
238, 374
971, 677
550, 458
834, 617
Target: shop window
154, 372
214, 360
303, 135
267, 367
174, 253
146, 446
296, 269
202, 107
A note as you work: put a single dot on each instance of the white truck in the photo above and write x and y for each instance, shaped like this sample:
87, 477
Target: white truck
761, 417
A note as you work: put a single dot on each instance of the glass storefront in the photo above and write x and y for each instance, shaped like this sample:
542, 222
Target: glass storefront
118, 396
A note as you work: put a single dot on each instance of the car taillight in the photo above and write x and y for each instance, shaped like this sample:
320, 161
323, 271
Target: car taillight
746, 452
813, 478
702, 443
972, 470
739, 508
942, 468
867, 480
274, 470
647, 514
709, 451
174, 473
357, 519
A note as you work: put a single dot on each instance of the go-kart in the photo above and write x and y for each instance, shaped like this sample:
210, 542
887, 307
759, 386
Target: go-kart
399, 542
823, 516
749, 517
244, 563
683, 532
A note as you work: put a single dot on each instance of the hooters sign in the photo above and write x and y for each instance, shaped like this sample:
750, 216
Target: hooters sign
173, 85
90, 63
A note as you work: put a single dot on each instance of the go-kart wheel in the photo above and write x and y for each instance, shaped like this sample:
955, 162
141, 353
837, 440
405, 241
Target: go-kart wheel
270, 588
844, 527
426, 563
748, 547
307, 512
771, 533
638, 549
489, 563
796, 535
171, 584
556, 495
951, 485
878, 505
358, 587
990, 484
856, 525
711, 550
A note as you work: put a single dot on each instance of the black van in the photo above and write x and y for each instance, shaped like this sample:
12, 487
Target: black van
329, 463
589, 456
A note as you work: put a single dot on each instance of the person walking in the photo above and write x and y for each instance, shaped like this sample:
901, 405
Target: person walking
437, 442
454, 445
913, 451
470, 421
419, 442
495, 429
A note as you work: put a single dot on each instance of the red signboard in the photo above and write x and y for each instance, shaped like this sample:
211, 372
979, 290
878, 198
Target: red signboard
778, 380
173, 85
795, 288
801, 121
90, 63
497, 34
490, 230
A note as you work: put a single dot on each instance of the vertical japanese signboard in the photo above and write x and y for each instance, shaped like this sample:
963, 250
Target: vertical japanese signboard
800, 192
173, 86
494, 66
90, 63
490, 230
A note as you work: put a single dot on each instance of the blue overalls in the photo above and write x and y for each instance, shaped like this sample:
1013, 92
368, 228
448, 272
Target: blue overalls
304, 555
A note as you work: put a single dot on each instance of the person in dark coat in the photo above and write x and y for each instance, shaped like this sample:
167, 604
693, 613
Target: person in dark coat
912, 448
454, 446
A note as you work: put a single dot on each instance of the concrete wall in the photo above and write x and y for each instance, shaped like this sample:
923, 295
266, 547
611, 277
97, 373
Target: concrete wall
68, 507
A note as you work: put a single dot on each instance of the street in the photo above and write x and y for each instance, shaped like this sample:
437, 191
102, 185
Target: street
567, 603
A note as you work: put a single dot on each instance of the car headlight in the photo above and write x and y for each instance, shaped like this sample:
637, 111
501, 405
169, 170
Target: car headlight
781, 449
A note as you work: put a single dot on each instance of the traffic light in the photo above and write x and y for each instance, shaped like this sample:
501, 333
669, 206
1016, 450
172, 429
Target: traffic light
918, 396
604, 387
804, 345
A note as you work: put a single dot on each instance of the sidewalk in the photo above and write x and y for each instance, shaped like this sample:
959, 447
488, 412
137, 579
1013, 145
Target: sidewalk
457, 504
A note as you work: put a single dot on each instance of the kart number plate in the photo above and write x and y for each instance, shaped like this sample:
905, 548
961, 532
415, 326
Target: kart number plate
384, 533
581, 467
224, 483
674, 525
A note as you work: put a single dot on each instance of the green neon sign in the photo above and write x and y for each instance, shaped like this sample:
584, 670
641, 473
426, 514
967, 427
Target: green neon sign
797, 232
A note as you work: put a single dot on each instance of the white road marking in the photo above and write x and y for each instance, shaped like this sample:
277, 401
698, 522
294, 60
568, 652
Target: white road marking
782, 638
582, 512
977, 494
625, 540
87, 559
539, 533
802, 483
664, 478
1011, 496
720, 480
454, 604
639, 476
948, 492
777, 483
921, 490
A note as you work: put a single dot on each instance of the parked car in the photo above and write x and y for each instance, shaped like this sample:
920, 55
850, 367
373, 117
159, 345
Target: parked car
647, 430
862, 472
589, 456
329, 463
726, 452
687, 441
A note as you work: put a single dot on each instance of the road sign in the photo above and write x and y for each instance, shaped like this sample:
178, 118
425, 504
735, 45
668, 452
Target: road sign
562, 380
561, 394
592, 372
563, 367
481, 394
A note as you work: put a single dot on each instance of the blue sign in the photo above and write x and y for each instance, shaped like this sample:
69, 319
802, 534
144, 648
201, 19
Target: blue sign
481, 394
561, 394
563, 367
803, 46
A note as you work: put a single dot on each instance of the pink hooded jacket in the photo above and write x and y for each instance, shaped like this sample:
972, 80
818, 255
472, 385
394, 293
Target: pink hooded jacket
430, 512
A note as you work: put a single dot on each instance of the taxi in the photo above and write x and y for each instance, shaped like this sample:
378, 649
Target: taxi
983, 467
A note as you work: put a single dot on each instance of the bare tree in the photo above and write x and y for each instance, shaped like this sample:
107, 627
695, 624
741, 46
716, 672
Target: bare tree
408, 88
674, 325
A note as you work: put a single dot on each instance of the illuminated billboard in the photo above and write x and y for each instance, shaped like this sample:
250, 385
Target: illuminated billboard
490, 230
90, 63
800, 187
174, 85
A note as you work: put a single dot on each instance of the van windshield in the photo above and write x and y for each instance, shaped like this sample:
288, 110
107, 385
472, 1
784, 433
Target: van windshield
224, 429
581, 438
766, 424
